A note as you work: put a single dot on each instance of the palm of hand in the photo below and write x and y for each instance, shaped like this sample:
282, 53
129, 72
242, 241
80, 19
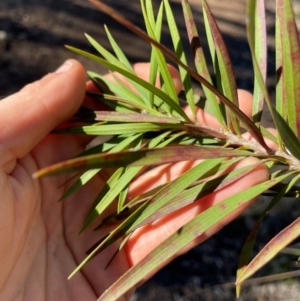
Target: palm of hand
42, 246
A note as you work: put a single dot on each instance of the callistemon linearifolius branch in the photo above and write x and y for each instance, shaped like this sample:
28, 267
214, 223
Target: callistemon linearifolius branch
146, 126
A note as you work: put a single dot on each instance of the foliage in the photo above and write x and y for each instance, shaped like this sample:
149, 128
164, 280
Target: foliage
148, 127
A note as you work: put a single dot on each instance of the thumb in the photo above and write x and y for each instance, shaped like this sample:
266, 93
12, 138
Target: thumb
29, 115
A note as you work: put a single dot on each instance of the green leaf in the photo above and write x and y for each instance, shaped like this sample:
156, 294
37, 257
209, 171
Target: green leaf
118, 87
118, 51
257, 30
127, 117
123, 194
287, 135
123, 59
212, 182
268, 134
177, 44
116, 186
159, 139
114, 145
157, 25
162, 65
257, 72
200, 62
106, 54
290, 63
172, 189
186, 234
248, 124
117, 129
281, 101
248, 245
224, 66
207, 186
120, 61
86, 177
271, 249
122, 198
148, 208
141, 157
118, 103
166, 98
171, 139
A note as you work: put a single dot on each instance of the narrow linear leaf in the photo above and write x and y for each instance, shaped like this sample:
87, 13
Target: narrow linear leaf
290, 64
223, 166
248, 124
105, 145
117, 129
171, 139
123, 194
256, 11
106, 54
127, 117
281, 106
116, 103
287, 135
122, 244
166, 98
128, 102
223, 61
172, 189
148, 208
114, 145
116, 187
119, 88
122, 199
195, 193
150, 13
141, 158
123, 59
268, 134
157, 25
186, 234
249, 244
197, 190
117, 49
177, 44
120, 61
159, 139
162, 65
86, 177
271, 249
257, 72
200, 62
95, 247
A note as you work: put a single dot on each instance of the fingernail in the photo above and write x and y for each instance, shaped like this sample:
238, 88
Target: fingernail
67, 65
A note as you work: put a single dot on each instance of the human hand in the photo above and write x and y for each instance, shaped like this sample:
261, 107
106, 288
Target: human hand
40, 243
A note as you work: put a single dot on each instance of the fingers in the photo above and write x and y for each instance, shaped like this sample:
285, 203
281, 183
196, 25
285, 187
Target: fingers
144, 240
202, 117
29, 115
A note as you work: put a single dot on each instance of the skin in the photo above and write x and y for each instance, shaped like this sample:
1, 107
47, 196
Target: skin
40, 245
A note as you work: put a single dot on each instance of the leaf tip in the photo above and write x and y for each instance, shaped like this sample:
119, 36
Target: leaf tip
36, 175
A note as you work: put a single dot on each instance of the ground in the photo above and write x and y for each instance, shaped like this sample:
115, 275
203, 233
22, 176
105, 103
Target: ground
32, 35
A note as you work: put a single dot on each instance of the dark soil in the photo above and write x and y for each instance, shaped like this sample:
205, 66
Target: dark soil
32, 35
